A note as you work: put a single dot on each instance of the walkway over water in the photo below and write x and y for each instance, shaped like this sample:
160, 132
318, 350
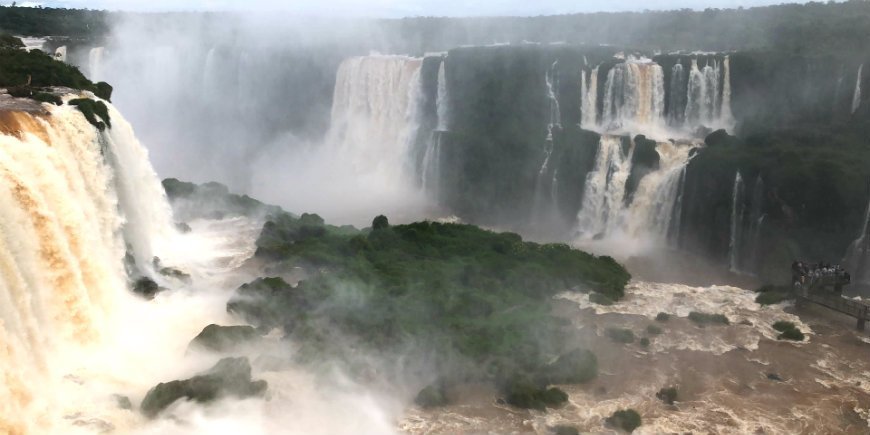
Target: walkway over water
819, 293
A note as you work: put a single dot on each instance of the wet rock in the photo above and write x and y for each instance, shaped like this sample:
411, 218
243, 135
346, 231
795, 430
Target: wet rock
432, 396
564, 430
627, 420
575, 367
146, 287
663, 317
524, 393
667, 395
123, 402
183, 227
775, 377
229, 377
224, 338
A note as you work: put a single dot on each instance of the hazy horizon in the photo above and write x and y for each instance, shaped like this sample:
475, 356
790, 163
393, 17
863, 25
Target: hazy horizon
404, 8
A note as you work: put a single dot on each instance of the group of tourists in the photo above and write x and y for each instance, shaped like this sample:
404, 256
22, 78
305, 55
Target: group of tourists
809, 274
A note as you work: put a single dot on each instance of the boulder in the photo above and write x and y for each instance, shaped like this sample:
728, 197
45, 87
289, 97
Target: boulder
229, 377
224, 338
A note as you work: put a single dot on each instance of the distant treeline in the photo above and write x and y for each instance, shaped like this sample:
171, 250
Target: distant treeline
808, 28
74, 23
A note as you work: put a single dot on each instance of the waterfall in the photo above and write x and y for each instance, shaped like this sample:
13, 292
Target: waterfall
589, 99
655, 207
677, 98
726, 116
442, 102
604, 193
703, 94
756, 222
375, 113
737, 210
95, 64
544, 206
60, 53
655, 201
63, 207
552, 80
677, 218
634, 95
856, 98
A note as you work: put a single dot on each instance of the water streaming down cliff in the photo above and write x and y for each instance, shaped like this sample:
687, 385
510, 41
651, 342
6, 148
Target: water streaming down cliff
545, 184
702, 105
374, 113
67, 194
856, 97
737, 210
677, 95
589, 97
856, 258
634, 96
95, 64
431, 167
651, 214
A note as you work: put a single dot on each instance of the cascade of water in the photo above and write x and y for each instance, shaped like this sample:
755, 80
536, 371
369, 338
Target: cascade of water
552, 81
95, 64
63, 206
148, 226
856, 97
442, 98
737, 209
634, 95
653, 208
604, 193
589, 102
209, 78
726, 116
677, 220
375, 113
677, 98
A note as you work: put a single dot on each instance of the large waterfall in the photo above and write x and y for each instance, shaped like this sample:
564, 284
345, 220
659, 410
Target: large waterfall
604, 196
374, 111
67, 195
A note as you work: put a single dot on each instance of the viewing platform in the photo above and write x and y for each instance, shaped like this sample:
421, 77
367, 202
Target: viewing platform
825, 291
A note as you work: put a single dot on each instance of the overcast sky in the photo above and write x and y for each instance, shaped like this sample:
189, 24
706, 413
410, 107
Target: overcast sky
401, 8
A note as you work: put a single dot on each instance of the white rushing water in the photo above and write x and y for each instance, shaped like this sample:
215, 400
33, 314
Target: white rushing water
650, 214
60, 53
634, 96
365, 161
64, 206
589, 97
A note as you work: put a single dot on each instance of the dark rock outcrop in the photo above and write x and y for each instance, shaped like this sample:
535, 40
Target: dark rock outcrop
224, 338
229, 377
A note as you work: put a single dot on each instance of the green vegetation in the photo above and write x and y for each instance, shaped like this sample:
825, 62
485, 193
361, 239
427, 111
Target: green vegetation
667, 395
627, 420
91, 109
9, 41
663, 317
703, 319
770, 294
644, 342
30, 21
464, 291
654, 330
788, 331
620, 335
